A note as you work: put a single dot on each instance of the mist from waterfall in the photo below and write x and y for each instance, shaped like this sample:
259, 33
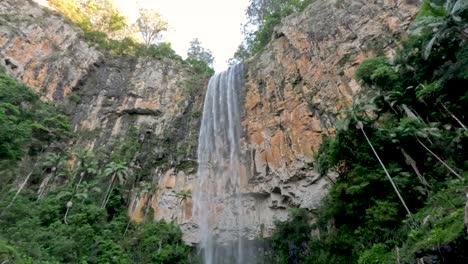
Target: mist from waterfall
217, 199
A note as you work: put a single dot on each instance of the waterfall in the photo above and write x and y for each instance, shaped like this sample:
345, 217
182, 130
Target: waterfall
217, 198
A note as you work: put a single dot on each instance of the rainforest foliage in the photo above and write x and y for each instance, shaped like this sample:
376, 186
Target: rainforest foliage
74, 208
27, 125
262, 17
413, 114
111, 32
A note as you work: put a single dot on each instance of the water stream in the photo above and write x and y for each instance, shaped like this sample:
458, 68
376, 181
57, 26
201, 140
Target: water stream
217, 199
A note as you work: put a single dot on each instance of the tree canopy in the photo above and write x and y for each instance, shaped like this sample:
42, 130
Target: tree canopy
151, 24
197, 52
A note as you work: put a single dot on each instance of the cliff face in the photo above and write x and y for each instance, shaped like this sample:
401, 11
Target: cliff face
294, 91
296, 87
153, 105
42, 49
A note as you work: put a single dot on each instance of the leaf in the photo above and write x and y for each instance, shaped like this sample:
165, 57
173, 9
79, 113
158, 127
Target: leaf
428, 49
459, 6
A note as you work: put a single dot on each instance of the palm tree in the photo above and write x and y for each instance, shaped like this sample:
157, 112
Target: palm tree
442, 25
117, 170
425, 92
414, 127
87, 165
54, 162
357, 111
184, 195
81, 192
361, 127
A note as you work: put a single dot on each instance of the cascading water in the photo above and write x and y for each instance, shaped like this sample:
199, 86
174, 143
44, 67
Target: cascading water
217, 198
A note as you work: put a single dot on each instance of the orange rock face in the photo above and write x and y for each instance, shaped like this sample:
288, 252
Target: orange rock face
296, 87
42, 50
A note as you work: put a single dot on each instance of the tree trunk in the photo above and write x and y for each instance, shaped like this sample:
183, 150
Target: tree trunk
81, 179
453, 116
19, 191
108, 192
69, 205
410, 161
126, 228
466, 214
439, 159
43, 186
361, 127
398, 255
66, 214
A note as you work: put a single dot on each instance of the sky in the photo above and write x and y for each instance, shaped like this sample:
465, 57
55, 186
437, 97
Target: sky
216, 23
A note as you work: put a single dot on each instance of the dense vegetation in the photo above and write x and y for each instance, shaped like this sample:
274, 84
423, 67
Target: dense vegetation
263, 16
109, 31
27, 125
400, 151
64, 216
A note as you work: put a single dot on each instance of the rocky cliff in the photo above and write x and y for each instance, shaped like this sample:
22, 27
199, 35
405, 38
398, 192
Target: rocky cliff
151, 104
294, 91
42, 49
296, 88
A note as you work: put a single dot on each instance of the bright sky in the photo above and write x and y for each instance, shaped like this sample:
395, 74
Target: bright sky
216, 23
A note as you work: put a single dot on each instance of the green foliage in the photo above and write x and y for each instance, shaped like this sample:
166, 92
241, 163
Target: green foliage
200, 59
378, 254
321, 162
37, 231
376, 71
263, 16
289, 243
200, 67
129, 46
197, 52
103, 26
429, 9
26, 123
9, 254
158, 242
127, 147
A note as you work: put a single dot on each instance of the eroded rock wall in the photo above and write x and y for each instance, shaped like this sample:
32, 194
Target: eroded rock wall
295, 89
152, 104
43, 50
161, 101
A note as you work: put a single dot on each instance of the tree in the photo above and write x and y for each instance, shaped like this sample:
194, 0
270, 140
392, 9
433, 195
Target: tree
54, 162
262, 17
104, 16
356, 113
241, 54
440, 21
93, 15
81, 192
117, 170
411, 126
151, 24
87, 165
184, 195
360, 126
197, 52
